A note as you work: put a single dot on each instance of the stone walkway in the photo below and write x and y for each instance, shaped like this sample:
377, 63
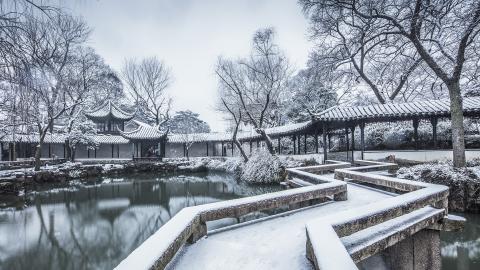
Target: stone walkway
273, 243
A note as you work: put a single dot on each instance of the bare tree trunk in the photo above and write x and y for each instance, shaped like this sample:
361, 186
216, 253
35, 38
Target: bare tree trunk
240, 148
458, 132
68, 150
267, 140
38, 155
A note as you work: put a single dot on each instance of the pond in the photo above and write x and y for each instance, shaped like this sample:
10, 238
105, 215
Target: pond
461, 250
95, 224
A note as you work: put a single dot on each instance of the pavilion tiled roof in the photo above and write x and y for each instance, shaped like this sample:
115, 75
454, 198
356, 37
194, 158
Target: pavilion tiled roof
109, 109
423, 108
60, 138
144, 131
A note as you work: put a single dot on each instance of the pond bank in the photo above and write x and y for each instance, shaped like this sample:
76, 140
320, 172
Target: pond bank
464, 183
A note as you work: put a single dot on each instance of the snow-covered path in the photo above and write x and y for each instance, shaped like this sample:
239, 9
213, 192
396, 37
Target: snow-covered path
273, 243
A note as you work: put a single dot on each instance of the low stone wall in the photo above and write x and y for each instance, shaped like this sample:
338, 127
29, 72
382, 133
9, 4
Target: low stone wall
17, 181
21, 164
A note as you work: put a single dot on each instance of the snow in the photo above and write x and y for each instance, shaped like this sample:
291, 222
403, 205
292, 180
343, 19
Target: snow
263, 168
279, 240
441, 171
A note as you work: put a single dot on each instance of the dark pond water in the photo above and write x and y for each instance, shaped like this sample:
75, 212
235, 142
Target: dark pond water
97, 223
461, 250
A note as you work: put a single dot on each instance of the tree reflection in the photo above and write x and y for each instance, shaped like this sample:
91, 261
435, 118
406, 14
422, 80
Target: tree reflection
96, 226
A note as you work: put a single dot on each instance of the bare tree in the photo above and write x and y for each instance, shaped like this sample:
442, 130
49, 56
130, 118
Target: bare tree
47, 47
147, 81
86, 78
256, 83
444, 34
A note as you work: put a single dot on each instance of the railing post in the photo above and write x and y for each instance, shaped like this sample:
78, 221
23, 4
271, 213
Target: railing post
198, 231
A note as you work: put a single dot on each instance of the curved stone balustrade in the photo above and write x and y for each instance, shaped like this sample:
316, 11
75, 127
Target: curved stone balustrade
359, 233
190, 223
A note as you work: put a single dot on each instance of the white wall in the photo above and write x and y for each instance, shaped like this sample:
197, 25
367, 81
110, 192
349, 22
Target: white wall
420, 155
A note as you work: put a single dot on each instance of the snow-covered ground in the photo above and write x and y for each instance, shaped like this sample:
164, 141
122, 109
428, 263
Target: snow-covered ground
276, 242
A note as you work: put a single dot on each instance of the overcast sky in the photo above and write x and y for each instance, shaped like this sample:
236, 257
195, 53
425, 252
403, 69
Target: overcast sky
189, 35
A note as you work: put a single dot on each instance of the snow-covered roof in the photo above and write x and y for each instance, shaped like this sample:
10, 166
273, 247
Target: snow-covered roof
242, 135
109, 109
144, 131
419, 108
60, 138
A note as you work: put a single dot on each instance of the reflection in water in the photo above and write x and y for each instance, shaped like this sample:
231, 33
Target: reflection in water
94, 225
461, 250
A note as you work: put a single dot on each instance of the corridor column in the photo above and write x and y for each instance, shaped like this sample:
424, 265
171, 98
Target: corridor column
434, 122
353, 142
324, 139
415, 132
305, 143
362, 139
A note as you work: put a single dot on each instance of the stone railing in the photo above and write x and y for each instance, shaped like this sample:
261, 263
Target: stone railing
357, 234
190, 223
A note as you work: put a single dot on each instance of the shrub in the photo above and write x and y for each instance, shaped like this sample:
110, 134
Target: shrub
263, 168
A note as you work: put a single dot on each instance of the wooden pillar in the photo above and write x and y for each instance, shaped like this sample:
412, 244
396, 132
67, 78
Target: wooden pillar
95, 152
434, 122
64, 150
298, 144
207, 149
362, 139
88, 152
184, 149
113, 147
118, 150
305, 143
279, 146
133, 150
49, 150
316, 141
294, 144
324, 139
347, 147
353, 142
222, 149
415, 132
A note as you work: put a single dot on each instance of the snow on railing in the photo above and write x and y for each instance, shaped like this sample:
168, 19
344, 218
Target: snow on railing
330, 229
189, 224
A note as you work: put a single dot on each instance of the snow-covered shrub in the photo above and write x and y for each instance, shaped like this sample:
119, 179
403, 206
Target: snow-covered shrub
441, 172
230, 165
263, 168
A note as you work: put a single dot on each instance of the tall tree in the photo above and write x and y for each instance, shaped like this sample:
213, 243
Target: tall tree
190, 128
308, 96
257, 82
444, 35
48, 46
147, 81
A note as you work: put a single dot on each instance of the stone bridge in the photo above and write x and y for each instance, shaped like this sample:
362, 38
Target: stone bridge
339, 216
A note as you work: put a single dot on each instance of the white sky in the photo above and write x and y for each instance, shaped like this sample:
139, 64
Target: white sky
189, 35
